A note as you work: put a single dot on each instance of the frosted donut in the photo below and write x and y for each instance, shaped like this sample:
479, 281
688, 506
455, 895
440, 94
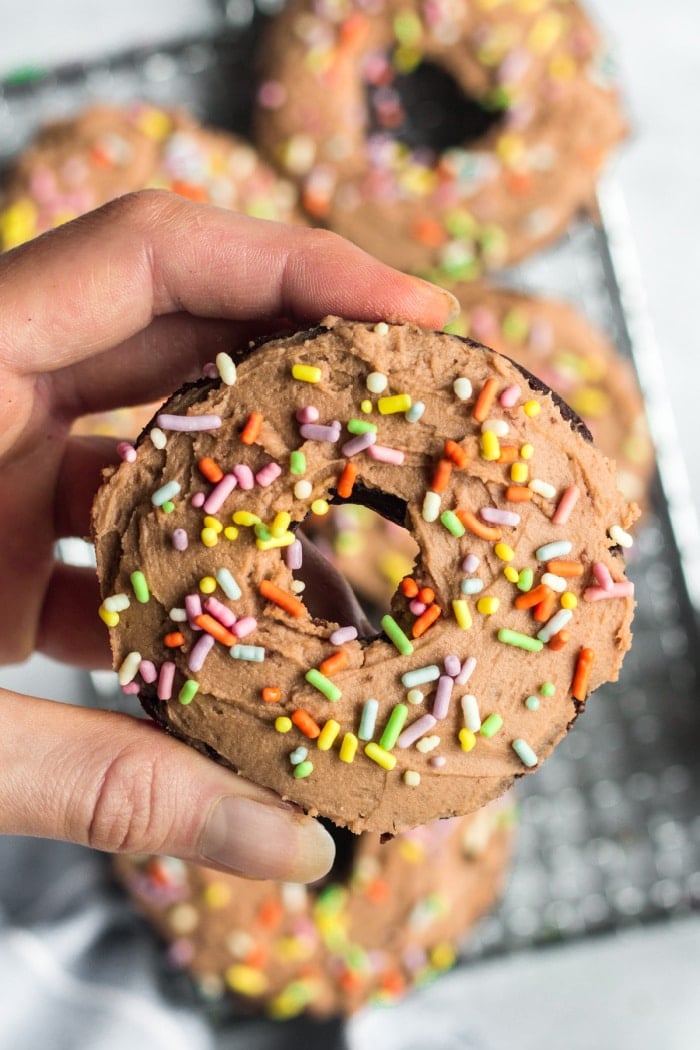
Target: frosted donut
331, 114
516, 610
389, 916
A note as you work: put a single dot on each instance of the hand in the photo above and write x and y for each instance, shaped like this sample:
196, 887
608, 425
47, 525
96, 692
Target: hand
120, 307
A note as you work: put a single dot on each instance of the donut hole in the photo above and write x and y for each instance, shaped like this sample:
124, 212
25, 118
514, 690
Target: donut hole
427, 109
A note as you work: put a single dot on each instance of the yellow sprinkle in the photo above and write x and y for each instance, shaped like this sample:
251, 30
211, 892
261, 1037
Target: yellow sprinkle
245, 980
18, 223
216, 895
209, 537
348, 748
378, 754
207, 585
213, 523
245, 517
326, 737
487, 606
527, 451
504, 552
306, 373
443, 956
490, 446
532, 408
519, 472
394, 403
511, 574
155, 123
231, 532
562, 67
283, 724
320, 507
280, 523
294, 949
274, 542
110, 618
568, 600
467, 739
462, 614
366, 407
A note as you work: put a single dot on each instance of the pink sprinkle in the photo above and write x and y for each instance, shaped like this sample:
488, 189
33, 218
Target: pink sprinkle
566, 504
245, 626
602, 575
467, 671
179, 540
471, 563
130, 689
126, 451
494, 516
510, 396
147, 670
210, 371
318, 432
244, 476
383, 454
417, 607
438, 761
359, 443
342, 635
443, 695
198, 499
220, 612
187, 423
624, 589
193, 608
199, 652
416, 730
272, 94
267, 474
294, 555
308, 414
165, 680
219, 494
452, 665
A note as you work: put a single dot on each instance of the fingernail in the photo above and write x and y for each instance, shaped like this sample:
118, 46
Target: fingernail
453, 304
265, 842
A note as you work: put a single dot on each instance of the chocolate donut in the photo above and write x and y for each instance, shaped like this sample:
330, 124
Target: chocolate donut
331, 114
516, 610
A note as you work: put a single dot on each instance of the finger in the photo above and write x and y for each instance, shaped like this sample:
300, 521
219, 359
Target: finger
119, 784
328, 594
69, 628
79, 478
153, 253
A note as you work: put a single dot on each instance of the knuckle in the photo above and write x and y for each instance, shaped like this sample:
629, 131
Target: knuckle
124, 811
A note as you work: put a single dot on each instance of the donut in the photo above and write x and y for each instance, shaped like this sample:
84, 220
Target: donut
78, 164
517, 608
335, 113
390, 916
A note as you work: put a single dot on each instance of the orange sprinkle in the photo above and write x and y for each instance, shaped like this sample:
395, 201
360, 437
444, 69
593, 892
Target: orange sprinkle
100, 157
349, 980
441, 475
336, 662
558, 641
426, 595
509, 453
317, 204
428, 231
377, 890
347, 480
288, 602
270, 912
425, 620
271, 694
518, 494
544, 609
487, 394
409, 587
455, 453
519, 183
174, 639
533, 597
471, 522
189, 190
215, 629
582, 674
303, 720
354, 30
252, 428
393, 983
565, 568
211, 470
256, 957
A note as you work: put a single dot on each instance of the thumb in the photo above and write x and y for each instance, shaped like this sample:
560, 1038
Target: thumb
119, 784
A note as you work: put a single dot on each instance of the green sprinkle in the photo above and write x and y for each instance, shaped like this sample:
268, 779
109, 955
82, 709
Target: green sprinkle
532, 703
520, 641
491, 725
548, 689
556, 549
361, 426
297, 462
188, 691
525, 579
396, 635
452, 523
395, 724
524, 752
168, 506
323, 684
303, 770
138, 582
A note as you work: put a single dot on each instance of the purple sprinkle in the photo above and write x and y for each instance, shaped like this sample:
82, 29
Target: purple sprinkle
198, 499
417, 607
267, 474
443, 694
342, 635
130, 689
416, 730
438, 761
245, 626
165, 680
219, 494
384, 454
147, 670
308, 414
189, 423
317, 432
359, 443
293, 555
467, 671
499, 517
126, 451
193, 608
453, 665
220, 612
471, 563
199, 652
244, 476
180, 540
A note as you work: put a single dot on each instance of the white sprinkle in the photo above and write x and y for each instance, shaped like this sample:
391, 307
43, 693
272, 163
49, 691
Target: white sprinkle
376, 382
158, 438
117, 602
297, 586
498, 426
411, 778
557, 583
470, 710
303, 489
431, 506
226, 368
542, 488
524, 752
178, 615
462, 388
381, 328
128, 669
428, 743
414, 696
618, 534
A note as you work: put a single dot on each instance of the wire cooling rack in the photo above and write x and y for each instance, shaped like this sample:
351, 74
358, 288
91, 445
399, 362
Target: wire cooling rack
609, 832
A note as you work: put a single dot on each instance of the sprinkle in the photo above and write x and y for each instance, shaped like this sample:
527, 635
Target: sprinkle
531, 598
303, 721
527, 451
228, 584
467, 671
443, 695
188, 692
456, 454
462, 388
510, 396
396, 635
216, 629
384, 454
431, 506
470, 710
187, 423
303, 770
226, 368
544, 608
165, 493
342, 635
267, 474
251, 430
619, 536
532, 408
346, 480
158, 438
336, 662
491, 725
306, 373
116, 603
416, 730
409, 587
509, 454
193, 607
168, 507
425, 620
199, 652
140, 586
383, 758
504, 552
452, 665
511, 574
297, 462
548, 689
252, 653
395, 403
415, 696
376, 382
178, 615
415, 412
147, 670
173, 640
209, 537
358, 444
553, 626
452, 523
417, 607
623, 589
556, 583
490, 446
126, 451
525, 579
582, 674
441, 475
549, 551
394, 725
471, 563
323, 684
166, 677
360, 426
565, 505
245, 626
283, 724
128, 669
213, 523
520, 641
567, 569
487, 394
467, 739
368, 719
524, 752
498, 426
471, 522
299, 754
320, 432
307, 414
207, 585
411, 778
271, 694
219, 494
495, 516
302, 490
328, 734
427, 743
348, 748
532, 703
519, 472
461, 613
244, 476
285, 601
542, 488
366, 406
294, 556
